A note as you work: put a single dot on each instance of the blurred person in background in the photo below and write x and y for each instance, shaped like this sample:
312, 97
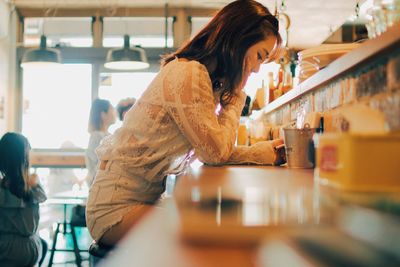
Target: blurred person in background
62, 179
20, 195
102, 116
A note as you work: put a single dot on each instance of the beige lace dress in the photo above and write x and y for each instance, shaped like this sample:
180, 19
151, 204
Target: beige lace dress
174, 120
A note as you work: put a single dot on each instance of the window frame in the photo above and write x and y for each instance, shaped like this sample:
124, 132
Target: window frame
79, 55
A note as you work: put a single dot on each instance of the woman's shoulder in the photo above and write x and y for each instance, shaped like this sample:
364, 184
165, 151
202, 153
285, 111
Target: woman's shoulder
9, 200
182, 70
186, 64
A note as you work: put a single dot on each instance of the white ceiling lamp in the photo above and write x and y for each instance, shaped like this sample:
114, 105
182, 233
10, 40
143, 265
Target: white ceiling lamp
126, 58
41, 56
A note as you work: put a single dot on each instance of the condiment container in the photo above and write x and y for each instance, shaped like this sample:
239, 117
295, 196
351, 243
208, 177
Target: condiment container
359, 162
298, 145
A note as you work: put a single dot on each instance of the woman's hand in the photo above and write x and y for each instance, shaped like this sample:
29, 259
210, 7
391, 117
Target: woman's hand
280, 152
277, 142
33, 180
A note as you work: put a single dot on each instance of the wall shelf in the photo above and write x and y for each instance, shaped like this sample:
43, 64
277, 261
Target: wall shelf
363, 54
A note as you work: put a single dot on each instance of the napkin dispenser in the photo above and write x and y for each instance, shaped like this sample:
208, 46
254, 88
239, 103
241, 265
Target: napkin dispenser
359, 162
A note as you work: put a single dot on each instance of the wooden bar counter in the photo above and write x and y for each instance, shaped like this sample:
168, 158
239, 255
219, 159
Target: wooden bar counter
219, 215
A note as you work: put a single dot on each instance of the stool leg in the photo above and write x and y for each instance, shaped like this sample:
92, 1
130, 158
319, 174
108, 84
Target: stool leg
53, 248
78, 259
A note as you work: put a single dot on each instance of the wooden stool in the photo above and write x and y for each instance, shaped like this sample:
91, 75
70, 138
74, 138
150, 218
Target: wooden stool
65, 225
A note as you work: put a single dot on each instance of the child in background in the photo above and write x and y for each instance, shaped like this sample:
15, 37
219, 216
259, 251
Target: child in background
20, 195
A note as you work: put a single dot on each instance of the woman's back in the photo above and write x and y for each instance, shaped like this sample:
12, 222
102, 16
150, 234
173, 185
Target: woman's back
20, 195
19, 243
150, 143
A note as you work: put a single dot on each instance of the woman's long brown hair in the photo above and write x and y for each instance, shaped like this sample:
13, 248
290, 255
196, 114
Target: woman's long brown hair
95, 119
225, 40
14, 164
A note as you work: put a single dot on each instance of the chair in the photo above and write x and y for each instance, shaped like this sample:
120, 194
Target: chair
72, 225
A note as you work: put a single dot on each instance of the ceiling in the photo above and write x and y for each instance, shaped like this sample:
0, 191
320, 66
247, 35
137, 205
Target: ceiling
312, 21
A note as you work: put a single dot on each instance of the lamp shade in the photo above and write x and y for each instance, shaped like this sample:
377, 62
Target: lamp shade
41, 55
126, 58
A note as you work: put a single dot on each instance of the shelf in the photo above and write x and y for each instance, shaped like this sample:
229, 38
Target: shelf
369, 50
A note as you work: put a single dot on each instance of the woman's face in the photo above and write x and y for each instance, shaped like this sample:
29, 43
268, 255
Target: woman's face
110, 116
257, 55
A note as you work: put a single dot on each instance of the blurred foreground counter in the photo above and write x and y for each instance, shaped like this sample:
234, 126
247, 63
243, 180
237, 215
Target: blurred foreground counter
225, 216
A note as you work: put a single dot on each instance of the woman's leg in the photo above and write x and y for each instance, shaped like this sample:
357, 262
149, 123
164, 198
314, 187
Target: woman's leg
115, 233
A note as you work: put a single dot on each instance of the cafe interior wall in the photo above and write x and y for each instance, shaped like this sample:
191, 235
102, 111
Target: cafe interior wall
8, 20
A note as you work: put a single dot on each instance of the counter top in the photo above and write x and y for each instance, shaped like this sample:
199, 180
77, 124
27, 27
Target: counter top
228, 215
160, 238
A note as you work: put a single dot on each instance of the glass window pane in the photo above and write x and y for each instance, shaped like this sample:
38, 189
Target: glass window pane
117, 86
56, 105
256, 80
73, 32
150, 33
198, 23
58, 180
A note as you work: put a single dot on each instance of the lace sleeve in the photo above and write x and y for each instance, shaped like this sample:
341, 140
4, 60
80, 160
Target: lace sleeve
260, 153
189, 99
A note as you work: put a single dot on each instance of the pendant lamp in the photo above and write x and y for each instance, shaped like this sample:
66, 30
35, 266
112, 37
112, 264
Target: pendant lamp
126, 58
41, 56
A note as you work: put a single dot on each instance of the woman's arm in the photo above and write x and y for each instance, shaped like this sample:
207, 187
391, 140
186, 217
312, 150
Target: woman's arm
260, 153
189, 99
36, 190
38, 194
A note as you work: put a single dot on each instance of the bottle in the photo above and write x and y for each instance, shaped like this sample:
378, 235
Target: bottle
279, 88
271, 87
281, 74
242, 136
287, 83
259, 99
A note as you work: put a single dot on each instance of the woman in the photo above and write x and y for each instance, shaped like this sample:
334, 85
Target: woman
102, 116
20, 195
176, 118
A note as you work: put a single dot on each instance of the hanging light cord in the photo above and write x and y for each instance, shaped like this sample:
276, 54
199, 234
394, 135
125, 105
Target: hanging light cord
283, 6
357, 9
166, 25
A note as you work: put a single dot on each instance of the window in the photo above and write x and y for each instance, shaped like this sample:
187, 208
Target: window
117, 86
198, 23
56, 105
144, 31
256, 80
59, 31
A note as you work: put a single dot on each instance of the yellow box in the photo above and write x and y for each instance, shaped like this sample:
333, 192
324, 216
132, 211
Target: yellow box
357, 162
